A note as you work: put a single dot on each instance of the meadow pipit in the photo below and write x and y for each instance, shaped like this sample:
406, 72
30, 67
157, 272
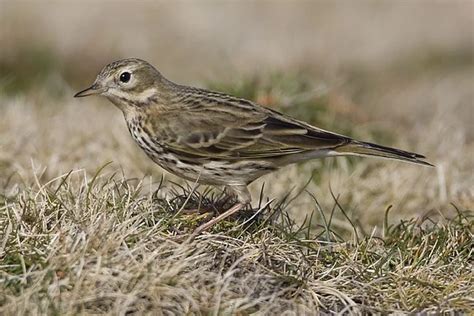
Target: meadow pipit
214, 138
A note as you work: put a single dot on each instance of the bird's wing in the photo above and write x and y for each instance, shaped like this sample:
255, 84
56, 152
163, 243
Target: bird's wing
227, 129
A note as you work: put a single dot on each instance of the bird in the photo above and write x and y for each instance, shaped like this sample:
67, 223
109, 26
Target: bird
214, 138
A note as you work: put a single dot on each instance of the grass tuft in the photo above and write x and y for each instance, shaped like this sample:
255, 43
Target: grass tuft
107, 245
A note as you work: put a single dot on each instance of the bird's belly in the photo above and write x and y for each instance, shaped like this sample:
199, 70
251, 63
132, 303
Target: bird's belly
216, 172
207, 171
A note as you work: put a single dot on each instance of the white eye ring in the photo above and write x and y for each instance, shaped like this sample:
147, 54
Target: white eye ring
125, 77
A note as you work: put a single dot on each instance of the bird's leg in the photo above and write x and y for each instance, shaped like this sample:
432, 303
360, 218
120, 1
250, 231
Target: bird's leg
244, 198
234, 209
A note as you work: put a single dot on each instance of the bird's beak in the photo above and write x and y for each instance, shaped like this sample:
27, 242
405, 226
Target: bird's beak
94, 89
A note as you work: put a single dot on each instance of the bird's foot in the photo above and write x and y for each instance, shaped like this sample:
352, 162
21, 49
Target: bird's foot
234, 209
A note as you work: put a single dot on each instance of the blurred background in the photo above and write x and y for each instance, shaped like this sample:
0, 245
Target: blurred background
396, 72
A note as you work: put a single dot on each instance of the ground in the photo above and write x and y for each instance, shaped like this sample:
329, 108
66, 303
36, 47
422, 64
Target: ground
89, 225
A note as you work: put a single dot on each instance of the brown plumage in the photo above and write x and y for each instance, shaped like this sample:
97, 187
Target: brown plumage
214, 138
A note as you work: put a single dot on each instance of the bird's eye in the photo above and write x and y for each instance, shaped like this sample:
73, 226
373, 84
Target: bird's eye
125, 77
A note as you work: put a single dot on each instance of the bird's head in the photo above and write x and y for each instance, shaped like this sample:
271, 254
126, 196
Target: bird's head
126, 82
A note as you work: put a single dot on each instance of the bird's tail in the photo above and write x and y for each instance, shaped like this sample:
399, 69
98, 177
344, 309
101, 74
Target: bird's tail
368, 149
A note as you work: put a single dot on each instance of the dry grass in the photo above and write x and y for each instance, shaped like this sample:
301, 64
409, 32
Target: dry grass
399, 238
89, 225
101, 245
